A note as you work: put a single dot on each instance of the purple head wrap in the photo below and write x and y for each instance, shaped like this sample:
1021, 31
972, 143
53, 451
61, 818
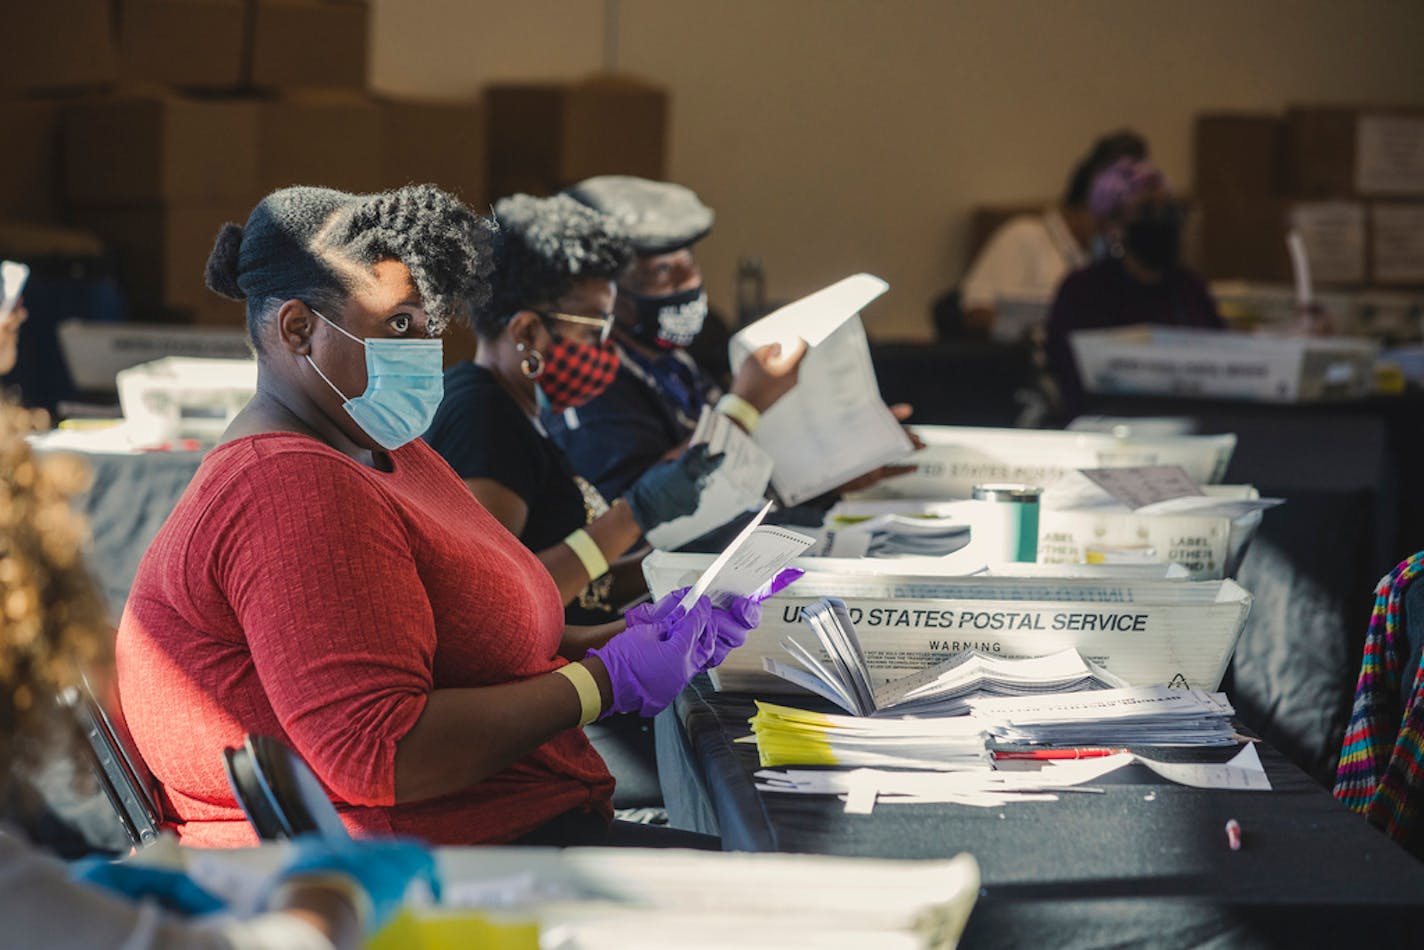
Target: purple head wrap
1119, 183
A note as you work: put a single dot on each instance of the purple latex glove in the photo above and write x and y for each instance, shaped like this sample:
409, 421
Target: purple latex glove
743, 615
651, 611
651, 661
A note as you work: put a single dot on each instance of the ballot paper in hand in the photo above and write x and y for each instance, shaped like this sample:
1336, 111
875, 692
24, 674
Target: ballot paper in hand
750, 562
735, 485
943, 689
833, 426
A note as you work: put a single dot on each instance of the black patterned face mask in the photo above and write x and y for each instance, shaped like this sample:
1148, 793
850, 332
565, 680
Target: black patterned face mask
669, 321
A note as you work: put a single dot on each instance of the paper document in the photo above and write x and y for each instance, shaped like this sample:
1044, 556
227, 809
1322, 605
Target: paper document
864, 788
940, 689
1143, 485
737, 484
833, 426
1136, 716
752, 559
1243, 773
789, 736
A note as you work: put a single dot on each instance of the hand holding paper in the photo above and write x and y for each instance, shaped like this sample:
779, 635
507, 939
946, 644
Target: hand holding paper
651, 661
743, 614
769, 373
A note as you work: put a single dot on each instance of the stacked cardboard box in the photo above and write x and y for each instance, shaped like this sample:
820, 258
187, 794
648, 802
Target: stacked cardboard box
546, 136
155, 174
155, 166
1349, 179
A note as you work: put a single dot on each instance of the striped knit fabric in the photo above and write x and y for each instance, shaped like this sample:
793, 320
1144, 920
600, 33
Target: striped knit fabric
1381, 772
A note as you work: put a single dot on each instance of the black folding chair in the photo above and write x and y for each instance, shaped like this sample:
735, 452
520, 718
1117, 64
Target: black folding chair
279, 793
118, 768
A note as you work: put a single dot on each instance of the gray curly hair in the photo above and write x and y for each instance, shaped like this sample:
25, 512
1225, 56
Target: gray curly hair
543, 246
313, 244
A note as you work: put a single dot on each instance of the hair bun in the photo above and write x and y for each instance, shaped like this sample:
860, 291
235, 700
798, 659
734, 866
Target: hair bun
221, 272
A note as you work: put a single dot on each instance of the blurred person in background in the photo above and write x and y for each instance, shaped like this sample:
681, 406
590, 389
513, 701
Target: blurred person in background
55, 627
1141, 280
1028, 256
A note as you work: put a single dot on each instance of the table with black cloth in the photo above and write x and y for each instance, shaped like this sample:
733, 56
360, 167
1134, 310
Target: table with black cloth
1344, 469
129, 498
1145, 863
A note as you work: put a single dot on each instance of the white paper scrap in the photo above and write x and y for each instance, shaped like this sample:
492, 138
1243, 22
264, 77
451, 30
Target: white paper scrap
1142, 485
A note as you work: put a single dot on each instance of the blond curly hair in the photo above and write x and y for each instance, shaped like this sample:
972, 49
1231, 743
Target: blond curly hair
53, 620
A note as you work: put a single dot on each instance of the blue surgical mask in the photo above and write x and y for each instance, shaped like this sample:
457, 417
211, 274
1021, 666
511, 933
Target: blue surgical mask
404, 385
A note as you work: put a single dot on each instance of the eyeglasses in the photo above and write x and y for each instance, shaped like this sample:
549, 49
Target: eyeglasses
604, 323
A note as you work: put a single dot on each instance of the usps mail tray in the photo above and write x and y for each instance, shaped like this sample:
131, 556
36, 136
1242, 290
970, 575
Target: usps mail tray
1161, 361
1147, 631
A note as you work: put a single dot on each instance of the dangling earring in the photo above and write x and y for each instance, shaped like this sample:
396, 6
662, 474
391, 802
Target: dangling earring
532, 366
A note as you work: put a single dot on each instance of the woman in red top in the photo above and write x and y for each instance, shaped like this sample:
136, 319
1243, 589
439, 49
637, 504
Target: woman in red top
326, 579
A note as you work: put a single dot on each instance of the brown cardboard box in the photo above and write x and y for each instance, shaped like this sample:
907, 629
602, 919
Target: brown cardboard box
196, 43
308, 43
1335, 151
1235, 156
438, 142
1397, 243
30, 166
58, 45
162, 250
333, 139
141, 148
1245, 240
546, 136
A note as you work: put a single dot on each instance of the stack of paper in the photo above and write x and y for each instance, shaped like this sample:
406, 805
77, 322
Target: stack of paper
738, 483
786, 736
832, 426
947, 689
942, 689
894, 535
863, 789
1136, 716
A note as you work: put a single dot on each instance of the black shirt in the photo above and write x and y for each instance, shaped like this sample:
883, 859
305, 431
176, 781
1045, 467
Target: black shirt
651, 408
1105, 295
481, 431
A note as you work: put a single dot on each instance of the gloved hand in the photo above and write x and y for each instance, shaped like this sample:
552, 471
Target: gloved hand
653, 611
383, 867
743, 615
169, 888
671, 489
660, 650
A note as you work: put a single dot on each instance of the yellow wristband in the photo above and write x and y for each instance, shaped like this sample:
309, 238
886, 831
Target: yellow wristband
588, 553
740, 411
590, 702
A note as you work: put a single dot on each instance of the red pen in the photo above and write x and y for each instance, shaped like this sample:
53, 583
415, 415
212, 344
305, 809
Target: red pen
1045, 755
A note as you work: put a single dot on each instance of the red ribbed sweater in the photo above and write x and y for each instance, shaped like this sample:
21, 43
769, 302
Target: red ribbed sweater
298, 594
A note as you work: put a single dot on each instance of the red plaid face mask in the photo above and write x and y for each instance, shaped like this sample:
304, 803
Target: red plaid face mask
574, 373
